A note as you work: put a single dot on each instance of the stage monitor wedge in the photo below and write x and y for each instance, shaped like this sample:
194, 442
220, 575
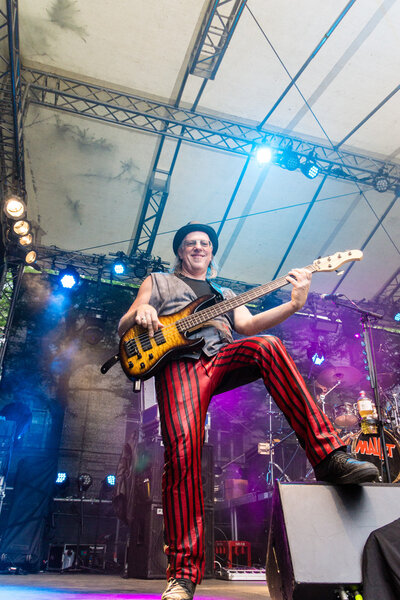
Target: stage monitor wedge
317, 536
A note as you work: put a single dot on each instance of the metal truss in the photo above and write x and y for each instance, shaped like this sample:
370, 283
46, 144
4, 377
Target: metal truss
12, 173
216, 30
153, 209
104, 104
11, 104
98, 267
10, 283
214, 36
390, 290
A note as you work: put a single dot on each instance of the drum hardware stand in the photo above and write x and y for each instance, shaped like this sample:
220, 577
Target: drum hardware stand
366, 318
269, 448
323, 396
396, 414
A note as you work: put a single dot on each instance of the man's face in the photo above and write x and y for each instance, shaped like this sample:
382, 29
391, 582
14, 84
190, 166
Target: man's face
196, 252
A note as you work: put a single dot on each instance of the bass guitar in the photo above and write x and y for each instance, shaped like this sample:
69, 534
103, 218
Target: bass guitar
142, 355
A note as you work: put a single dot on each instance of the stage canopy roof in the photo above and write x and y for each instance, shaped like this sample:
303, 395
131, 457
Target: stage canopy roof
143, 115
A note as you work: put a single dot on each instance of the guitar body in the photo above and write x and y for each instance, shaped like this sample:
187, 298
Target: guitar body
142, 356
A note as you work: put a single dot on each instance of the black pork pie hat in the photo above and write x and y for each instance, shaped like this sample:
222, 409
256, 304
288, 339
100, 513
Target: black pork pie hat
193, 226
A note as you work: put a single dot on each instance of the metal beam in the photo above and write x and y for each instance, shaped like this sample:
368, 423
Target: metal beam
10, 284
309, 59
12, 173
215, 33
128, 110
390, 289
369, 115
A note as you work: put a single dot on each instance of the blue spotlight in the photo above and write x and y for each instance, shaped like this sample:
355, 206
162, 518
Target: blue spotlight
110, 480
68, 278
397, 316
310, 168
119, 268
61, 478
264, 155
120, 265
317, 359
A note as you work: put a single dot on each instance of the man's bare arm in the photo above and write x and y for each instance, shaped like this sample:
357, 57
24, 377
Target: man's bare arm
248, 324
141, 312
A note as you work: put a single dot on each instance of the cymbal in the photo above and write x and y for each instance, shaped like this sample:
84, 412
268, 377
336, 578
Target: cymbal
346, 375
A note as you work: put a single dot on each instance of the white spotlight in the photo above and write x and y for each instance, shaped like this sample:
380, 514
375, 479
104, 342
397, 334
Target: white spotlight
264, 155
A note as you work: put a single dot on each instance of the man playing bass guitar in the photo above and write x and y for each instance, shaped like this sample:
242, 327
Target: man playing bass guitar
186, 383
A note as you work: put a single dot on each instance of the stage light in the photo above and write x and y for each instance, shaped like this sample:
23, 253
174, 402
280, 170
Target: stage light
14, 207
264, 155
120, 265
381, 183
309, 168
140, 270
290, 160
68, 277
119, 268
26, 240
62, 480
21, 228
30, 257
110, 480
397, 316
84, 481
317, 359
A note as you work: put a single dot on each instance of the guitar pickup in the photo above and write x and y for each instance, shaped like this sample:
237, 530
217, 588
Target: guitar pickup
131, 348
145, 342
159, 337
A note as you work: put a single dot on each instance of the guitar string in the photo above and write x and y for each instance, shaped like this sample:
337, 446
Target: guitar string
192, 320
145, 337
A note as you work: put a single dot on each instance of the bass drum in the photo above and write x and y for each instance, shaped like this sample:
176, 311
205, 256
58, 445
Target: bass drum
367, 446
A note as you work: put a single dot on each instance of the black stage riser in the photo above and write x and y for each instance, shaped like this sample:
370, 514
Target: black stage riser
146, 558
318, 533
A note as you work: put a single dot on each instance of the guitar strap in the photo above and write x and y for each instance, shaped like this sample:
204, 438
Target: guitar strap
216, 288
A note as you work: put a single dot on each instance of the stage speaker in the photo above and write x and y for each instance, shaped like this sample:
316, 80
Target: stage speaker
145, 556
318, 533
150, 466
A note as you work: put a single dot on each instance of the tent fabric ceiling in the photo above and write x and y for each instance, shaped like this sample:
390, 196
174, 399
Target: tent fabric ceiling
86, 179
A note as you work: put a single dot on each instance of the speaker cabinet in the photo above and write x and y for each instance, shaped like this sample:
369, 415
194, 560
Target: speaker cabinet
318, 533
145, 556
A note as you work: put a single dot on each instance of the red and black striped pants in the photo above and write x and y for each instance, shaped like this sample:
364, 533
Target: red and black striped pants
184, 389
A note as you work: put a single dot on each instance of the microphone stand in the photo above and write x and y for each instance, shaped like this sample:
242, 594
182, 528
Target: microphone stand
367, 317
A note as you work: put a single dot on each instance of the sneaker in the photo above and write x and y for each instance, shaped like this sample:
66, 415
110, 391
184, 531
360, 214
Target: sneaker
179, 589
340, 468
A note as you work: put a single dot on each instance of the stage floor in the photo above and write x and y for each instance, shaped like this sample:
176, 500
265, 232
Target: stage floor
81, 586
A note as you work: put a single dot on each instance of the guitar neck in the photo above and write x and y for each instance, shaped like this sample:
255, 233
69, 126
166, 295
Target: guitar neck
196, 319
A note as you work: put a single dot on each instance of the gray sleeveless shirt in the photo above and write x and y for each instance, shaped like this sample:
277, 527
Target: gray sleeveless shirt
170, 294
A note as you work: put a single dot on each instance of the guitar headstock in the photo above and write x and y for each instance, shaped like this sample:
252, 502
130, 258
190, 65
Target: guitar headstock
333, 262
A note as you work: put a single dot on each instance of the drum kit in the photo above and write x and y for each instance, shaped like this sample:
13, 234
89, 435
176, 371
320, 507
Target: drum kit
336, 390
